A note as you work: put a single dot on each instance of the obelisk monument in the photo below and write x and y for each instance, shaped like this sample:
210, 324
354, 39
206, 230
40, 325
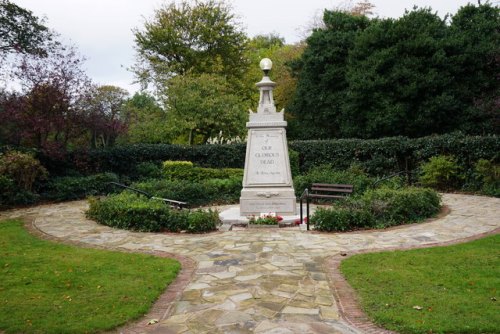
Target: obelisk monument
267, 181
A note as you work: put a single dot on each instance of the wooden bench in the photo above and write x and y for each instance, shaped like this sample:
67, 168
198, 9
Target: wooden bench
325, 191
334, 191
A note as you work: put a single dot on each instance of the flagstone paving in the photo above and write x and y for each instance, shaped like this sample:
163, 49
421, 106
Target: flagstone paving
261, 280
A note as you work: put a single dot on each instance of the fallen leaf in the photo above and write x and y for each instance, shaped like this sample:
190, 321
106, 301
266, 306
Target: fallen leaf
418, 308
153, 321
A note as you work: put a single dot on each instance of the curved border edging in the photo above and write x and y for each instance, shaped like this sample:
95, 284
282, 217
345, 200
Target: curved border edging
162, 307
346, 297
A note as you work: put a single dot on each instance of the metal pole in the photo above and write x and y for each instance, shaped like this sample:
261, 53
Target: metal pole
301, 211
307, 212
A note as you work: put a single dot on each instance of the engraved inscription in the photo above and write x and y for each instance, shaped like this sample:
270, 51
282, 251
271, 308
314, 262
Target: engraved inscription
267, 163
265, 206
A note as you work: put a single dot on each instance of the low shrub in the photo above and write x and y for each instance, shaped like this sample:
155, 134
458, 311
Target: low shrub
77, 187
195, 193
202, 221
135, 212
22, 168
11, 194
178, 170
267, 219
440, 172
148, 170
326, 174
341, 219
378, 208
401, 206
488, 175
224, 191
185, 170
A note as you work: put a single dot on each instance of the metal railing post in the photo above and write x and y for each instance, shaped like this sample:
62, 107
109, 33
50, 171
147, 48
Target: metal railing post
307, 212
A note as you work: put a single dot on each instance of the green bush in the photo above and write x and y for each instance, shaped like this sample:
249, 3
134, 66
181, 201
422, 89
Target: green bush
11, 194
202, 221
401, 206
341, 219
135, 212
378, 208
377, 156
22, 168
224, 191
211, 191
71, 187
326, 174
148, 170
294, 162
173, 170
488, 174
440, 172
185, 170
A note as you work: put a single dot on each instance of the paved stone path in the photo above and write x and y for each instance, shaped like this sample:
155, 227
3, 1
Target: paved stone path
262, 280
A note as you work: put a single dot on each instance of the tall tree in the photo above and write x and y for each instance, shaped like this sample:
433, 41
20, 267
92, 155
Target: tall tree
400, 80
146, 120
10, 104
48, 115
260, 46
21, 31
412, 76
105, 114
322, 84
201, 106
190, 37
475, 51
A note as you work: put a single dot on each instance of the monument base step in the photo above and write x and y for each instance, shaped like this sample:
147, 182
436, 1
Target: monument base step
232, 219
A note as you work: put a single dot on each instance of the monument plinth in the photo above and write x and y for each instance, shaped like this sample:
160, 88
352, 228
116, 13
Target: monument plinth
267, 181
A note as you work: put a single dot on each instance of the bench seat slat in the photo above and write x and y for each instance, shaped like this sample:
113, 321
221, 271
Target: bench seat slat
333, 191
325, 196
332, 185
340, 190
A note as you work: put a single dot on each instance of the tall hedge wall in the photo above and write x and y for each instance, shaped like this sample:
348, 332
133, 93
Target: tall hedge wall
386, 155
378, 156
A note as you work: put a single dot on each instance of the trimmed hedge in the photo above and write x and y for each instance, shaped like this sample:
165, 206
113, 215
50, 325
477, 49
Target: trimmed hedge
326, 174
196, 193
186, 171
378, 156
71, 187
132, 212
123, 160
378, 208
387, 155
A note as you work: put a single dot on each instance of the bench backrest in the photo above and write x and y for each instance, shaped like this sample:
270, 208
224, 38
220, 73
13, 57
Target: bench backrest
338, 188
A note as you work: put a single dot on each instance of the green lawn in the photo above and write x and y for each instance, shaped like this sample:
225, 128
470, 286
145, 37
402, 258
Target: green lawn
47, 287
456, 287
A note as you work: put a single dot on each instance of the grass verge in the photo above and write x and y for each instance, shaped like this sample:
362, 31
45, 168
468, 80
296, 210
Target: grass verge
52, 288
450, 289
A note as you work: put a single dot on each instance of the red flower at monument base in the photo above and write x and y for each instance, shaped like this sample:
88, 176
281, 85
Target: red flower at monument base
297, 222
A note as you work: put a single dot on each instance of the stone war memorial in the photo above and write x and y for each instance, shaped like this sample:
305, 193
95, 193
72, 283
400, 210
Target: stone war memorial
267, 180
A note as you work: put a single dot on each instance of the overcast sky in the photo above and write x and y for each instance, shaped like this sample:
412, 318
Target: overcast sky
102, 29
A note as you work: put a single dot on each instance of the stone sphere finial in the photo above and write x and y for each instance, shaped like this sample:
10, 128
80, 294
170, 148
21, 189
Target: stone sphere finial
266, 65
